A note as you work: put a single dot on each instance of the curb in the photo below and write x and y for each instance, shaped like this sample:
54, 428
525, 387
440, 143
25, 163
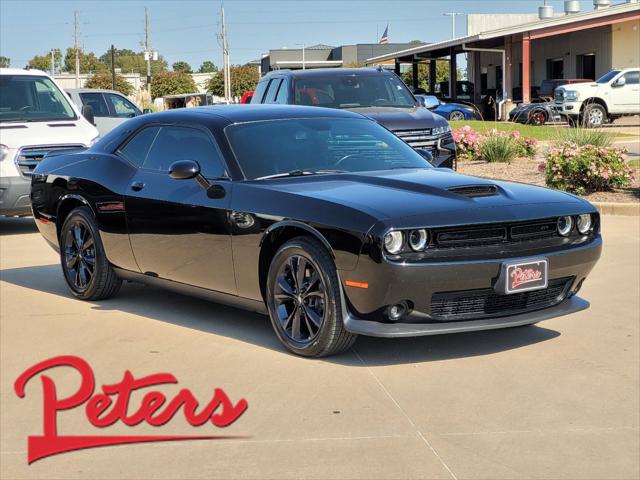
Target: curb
629, 209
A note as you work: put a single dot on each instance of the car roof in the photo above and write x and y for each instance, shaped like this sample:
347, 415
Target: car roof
250, 113
91, 90
21, 71
325, 72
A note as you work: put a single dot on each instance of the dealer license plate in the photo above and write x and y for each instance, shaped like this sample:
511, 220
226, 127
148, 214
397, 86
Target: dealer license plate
523, 276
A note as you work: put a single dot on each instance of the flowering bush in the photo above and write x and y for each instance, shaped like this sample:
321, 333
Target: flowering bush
493, 146
586, 168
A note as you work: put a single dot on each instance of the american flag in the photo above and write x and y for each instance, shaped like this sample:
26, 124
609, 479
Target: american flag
384, 39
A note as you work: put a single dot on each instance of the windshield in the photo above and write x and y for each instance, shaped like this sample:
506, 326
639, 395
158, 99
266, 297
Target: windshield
353, 91
27, 98
318, 145
608, 76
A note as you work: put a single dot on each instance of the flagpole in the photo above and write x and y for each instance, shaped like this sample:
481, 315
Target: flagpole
377, 34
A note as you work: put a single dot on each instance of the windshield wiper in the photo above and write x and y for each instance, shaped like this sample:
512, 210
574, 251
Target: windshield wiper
299, 173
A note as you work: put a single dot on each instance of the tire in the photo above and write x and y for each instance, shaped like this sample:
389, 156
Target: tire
594, 116
80, 245
538, 117
456, 115
317, 311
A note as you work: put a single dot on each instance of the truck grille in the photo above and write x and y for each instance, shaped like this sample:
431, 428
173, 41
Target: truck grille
486, 303
29, 157
473, 236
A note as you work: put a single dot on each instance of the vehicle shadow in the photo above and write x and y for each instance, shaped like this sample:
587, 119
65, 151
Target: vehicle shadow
17, 226
253, 328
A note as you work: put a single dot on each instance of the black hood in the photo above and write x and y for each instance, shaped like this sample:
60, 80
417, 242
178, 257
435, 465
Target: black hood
397, 118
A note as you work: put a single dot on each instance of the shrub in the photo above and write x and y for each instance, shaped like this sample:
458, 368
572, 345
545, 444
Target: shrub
172, 83
583, 136
467, 142
585, 169
499, 148
495, 146
103, 80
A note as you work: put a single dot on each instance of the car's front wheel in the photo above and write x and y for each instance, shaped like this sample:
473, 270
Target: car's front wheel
538, 117
594, 116
304, 301
86, 269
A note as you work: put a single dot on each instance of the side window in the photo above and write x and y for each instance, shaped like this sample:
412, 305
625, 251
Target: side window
632, 78
97, 103
283, 93
259, 92
273, 90
122, 107
137, 149
175, 143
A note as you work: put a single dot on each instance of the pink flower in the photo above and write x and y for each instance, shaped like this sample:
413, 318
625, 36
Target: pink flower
542, 166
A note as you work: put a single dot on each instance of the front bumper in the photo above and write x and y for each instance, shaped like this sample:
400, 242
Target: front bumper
571, 109
415, 284
14, 196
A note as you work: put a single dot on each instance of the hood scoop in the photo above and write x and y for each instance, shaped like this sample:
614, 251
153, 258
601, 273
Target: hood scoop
473, 191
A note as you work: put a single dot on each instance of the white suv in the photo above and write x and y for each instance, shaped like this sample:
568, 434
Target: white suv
593, 103
35, 119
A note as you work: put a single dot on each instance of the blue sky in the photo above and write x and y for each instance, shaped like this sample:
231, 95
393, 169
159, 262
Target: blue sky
185, 30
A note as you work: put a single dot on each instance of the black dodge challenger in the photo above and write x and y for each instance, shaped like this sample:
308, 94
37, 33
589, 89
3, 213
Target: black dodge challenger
321, 218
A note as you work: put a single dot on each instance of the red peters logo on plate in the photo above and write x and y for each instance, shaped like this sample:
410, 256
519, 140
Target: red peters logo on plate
520, 276
103, 411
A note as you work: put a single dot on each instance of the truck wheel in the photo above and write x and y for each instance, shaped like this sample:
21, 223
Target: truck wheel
304, 301
594, 115
86, 269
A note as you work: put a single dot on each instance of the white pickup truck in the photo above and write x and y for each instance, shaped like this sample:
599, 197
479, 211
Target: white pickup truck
35, 119
591, 104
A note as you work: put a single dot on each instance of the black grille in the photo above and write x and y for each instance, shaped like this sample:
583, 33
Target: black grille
418, 138
473, 191
29, 157
486, 303
476, 236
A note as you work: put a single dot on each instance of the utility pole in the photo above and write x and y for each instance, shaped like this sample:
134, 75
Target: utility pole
113, 67
76, 29
53, 68
147, 50
226, 70
453, 22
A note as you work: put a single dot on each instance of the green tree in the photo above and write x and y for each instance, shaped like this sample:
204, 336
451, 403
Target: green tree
5, 62
354, 65
442, 74
43, 62
207, 67
133, 62
172, 83
89, 63
243, 79
103, 80
181, 66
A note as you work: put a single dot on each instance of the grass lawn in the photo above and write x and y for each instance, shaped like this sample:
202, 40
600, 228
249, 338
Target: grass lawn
540, 133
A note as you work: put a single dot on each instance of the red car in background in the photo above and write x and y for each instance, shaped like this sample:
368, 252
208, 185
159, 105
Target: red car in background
246, 98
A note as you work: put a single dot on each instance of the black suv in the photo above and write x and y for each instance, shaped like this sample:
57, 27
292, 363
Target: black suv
377, 93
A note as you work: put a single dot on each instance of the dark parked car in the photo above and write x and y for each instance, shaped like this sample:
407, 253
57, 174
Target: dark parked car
375, 92
450, 111
535, 113
321, 218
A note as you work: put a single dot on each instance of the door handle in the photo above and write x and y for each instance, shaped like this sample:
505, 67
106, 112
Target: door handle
137, 186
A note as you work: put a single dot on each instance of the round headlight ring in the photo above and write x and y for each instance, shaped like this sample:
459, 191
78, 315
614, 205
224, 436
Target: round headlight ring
565, 225
393, 242
584, 223
418, 240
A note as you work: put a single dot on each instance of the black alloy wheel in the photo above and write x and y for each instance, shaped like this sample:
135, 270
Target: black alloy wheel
304, 299
538, 118
86, 269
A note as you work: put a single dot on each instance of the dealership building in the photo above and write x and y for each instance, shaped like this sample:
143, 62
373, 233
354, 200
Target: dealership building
516, 57
326, 56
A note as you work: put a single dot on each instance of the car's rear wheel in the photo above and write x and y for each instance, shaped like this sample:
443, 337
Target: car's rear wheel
84, 263
456, 115
304, 301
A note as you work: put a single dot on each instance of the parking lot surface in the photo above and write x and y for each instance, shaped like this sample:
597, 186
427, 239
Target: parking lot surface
556, 400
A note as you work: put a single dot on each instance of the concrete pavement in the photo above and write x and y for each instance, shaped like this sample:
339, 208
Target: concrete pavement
557, 400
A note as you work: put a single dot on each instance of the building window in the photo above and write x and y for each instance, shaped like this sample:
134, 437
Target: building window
586, 66
555, 68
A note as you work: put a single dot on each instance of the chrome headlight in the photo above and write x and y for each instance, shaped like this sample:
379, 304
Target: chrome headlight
440, 129
565, 225
393, 242
4, 152
418, 240
571, 95
584, 223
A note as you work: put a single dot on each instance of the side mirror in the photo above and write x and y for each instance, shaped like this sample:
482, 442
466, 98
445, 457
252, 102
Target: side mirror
87, 112
184, 170
147, 110
621, 82
426, 154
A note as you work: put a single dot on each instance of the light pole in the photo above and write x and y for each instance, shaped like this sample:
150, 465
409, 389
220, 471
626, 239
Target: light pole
453, 22
303, 47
